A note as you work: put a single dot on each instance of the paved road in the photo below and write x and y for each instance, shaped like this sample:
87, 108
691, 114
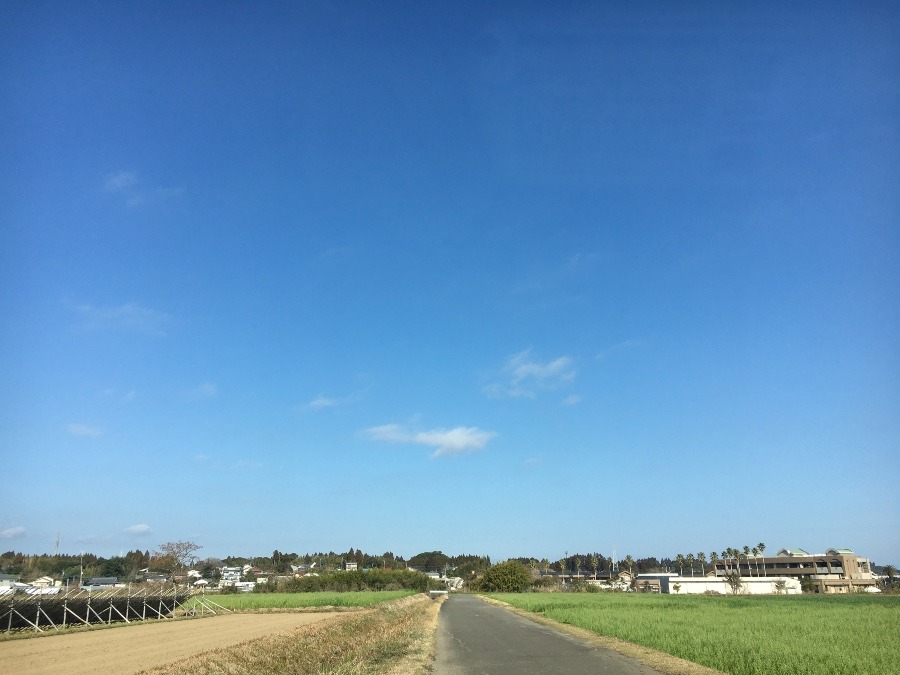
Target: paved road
476, 638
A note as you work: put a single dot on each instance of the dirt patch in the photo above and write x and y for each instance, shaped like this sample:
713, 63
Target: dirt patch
130, 649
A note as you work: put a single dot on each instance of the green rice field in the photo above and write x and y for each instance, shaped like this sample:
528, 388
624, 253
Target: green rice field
742, 635
252, 601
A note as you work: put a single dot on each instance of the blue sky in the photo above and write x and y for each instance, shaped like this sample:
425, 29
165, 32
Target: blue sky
510, 279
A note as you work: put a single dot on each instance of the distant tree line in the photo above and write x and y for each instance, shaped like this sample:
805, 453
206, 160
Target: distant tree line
374, 579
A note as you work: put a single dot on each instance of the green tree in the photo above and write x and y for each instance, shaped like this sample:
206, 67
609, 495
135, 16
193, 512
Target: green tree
506, 577
747, 558
595, 563
762, 551
690, 561
733, 579
701, 558
679, 560
114, 567
713, 559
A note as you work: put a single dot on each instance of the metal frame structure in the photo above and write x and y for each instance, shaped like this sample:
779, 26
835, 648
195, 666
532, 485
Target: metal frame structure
38, 612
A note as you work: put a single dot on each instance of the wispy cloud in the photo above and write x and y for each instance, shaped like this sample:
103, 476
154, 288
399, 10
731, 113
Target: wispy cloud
321, 402
455, 441
119, 181
128, 186
571, 399
84, 430
129, 317
125, 396
13, 532
205, 390
141, 529
618, 347
523, 376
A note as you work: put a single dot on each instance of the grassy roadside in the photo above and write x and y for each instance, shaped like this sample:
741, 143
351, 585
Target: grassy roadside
742, 635
393, 638
658, 660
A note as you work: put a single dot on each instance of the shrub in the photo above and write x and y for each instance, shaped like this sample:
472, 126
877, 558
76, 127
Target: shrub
506, 577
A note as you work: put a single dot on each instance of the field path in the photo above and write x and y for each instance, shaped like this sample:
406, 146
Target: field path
130, 649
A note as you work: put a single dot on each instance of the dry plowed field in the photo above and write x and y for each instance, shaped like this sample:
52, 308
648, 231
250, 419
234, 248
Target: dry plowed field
130, 649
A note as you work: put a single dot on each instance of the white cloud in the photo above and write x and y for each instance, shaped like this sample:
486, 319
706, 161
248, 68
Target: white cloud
119, 180
572, 399
206, 390
321, 402
140, 529
127, 185
128, 317
455, 441
524, 375
12, 532
84, 430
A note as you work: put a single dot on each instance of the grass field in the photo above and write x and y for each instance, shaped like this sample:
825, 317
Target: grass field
742, 635
262, 601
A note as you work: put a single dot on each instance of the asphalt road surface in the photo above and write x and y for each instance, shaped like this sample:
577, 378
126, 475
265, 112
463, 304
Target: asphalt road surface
476, 638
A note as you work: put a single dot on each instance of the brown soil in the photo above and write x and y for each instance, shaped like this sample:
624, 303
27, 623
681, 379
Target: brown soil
130, 649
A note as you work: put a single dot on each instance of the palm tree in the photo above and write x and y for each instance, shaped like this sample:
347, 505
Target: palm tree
726, 558
595, 562
577, 566
713, 559
735, 560
747, 558
762, 551
679, 560
756, 559
629, 563
690, 561
701, 558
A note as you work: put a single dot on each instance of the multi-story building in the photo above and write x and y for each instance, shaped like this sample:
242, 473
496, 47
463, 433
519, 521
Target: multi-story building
838, 570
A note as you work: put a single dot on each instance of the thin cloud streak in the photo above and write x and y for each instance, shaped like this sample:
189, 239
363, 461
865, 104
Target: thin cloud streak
84, 430
455, 441
206, 390
129, 317
119, 180
524, 376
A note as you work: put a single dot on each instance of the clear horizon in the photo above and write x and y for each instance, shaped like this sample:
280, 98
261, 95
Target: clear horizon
502, 280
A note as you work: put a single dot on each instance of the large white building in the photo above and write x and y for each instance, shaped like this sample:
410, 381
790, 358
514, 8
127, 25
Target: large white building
670, 582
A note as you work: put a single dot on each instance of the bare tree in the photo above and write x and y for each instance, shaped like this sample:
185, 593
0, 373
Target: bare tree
181, 551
